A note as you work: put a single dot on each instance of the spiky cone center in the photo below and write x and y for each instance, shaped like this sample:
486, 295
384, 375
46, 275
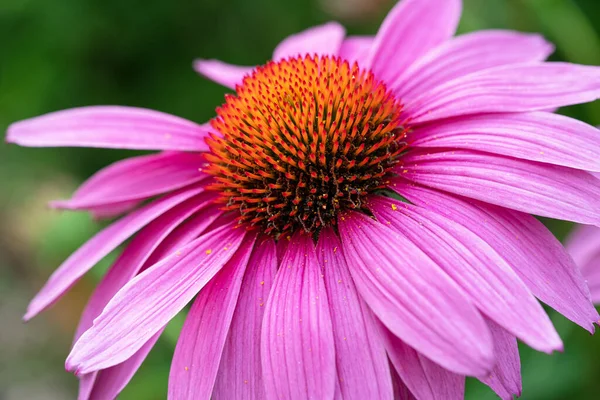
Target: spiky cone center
301, 140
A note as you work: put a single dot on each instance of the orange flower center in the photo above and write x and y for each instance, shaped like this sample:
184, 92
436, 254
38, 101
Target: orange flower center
302, 139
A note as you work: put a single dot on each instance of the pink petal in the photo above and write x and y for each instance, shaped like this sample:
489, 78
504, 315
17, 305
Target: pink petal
410, 30
200, 345
525, 243
356, 49
537, 136
99, 246
425, 379
112, 210
115, 127
114, 379
186, 232
535, 188
147, 302
414, 298
134, 256
240, 372
362, 366
111, 381
324, 39
136, 179
467, 54
297, 348
86, 385
401, 392
512, 88
474, 265
583, 244
505, 378
592, 278
222, 73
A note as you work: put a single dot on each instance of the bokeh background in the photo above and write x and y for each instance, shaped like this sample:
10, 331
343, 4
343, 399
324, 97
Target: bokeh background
67, 53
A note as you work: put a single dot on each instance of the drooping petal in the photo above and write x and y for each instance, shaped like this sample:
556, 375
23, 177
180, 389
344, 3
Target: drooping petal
425, 379
324, 39
112, 210
414, 298
136, 179
240, 372
583, 244
191, 229
592, 278
134, 256
115, 127
362, 365
224, 74
356, 49
467, 54
537, 136
297, 348
99, 246
505, 378
512, 88
111, 381
475, 266
525, 243
535, 188
200, 345
147, 302
411, 29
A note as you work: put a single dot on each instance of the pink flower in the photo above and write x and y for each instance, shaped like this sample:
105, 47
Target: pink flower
358, 198
584, 246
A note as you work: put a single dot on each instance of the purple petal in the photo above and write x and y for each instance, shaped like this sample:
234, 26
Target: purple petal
297, 348
322, 40
362, 366
99, 246
356, 49
114, 127
535, 188
425, 379
222, 73
240, 372
537, 136
147, 302
200, 345
135, 179
414, 298
505, 378
513, 88
111, 381
467, 54
475, 266
410, 30
525, 243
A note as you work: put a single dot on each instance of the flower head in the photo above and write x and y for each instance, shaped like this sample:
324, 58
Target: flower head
303, 139
358, 200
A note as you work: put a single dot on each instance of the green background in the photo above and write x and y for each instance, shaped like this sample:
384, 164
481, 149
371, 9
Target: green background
67, 53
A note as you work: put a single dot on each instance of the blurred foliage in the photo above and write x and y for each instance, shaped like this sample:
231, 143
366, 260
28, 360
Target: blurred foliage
61, 54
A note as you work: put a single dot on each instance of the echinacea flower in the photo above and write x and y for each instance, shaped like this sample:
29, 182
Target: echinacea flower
584, 246
358, 200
